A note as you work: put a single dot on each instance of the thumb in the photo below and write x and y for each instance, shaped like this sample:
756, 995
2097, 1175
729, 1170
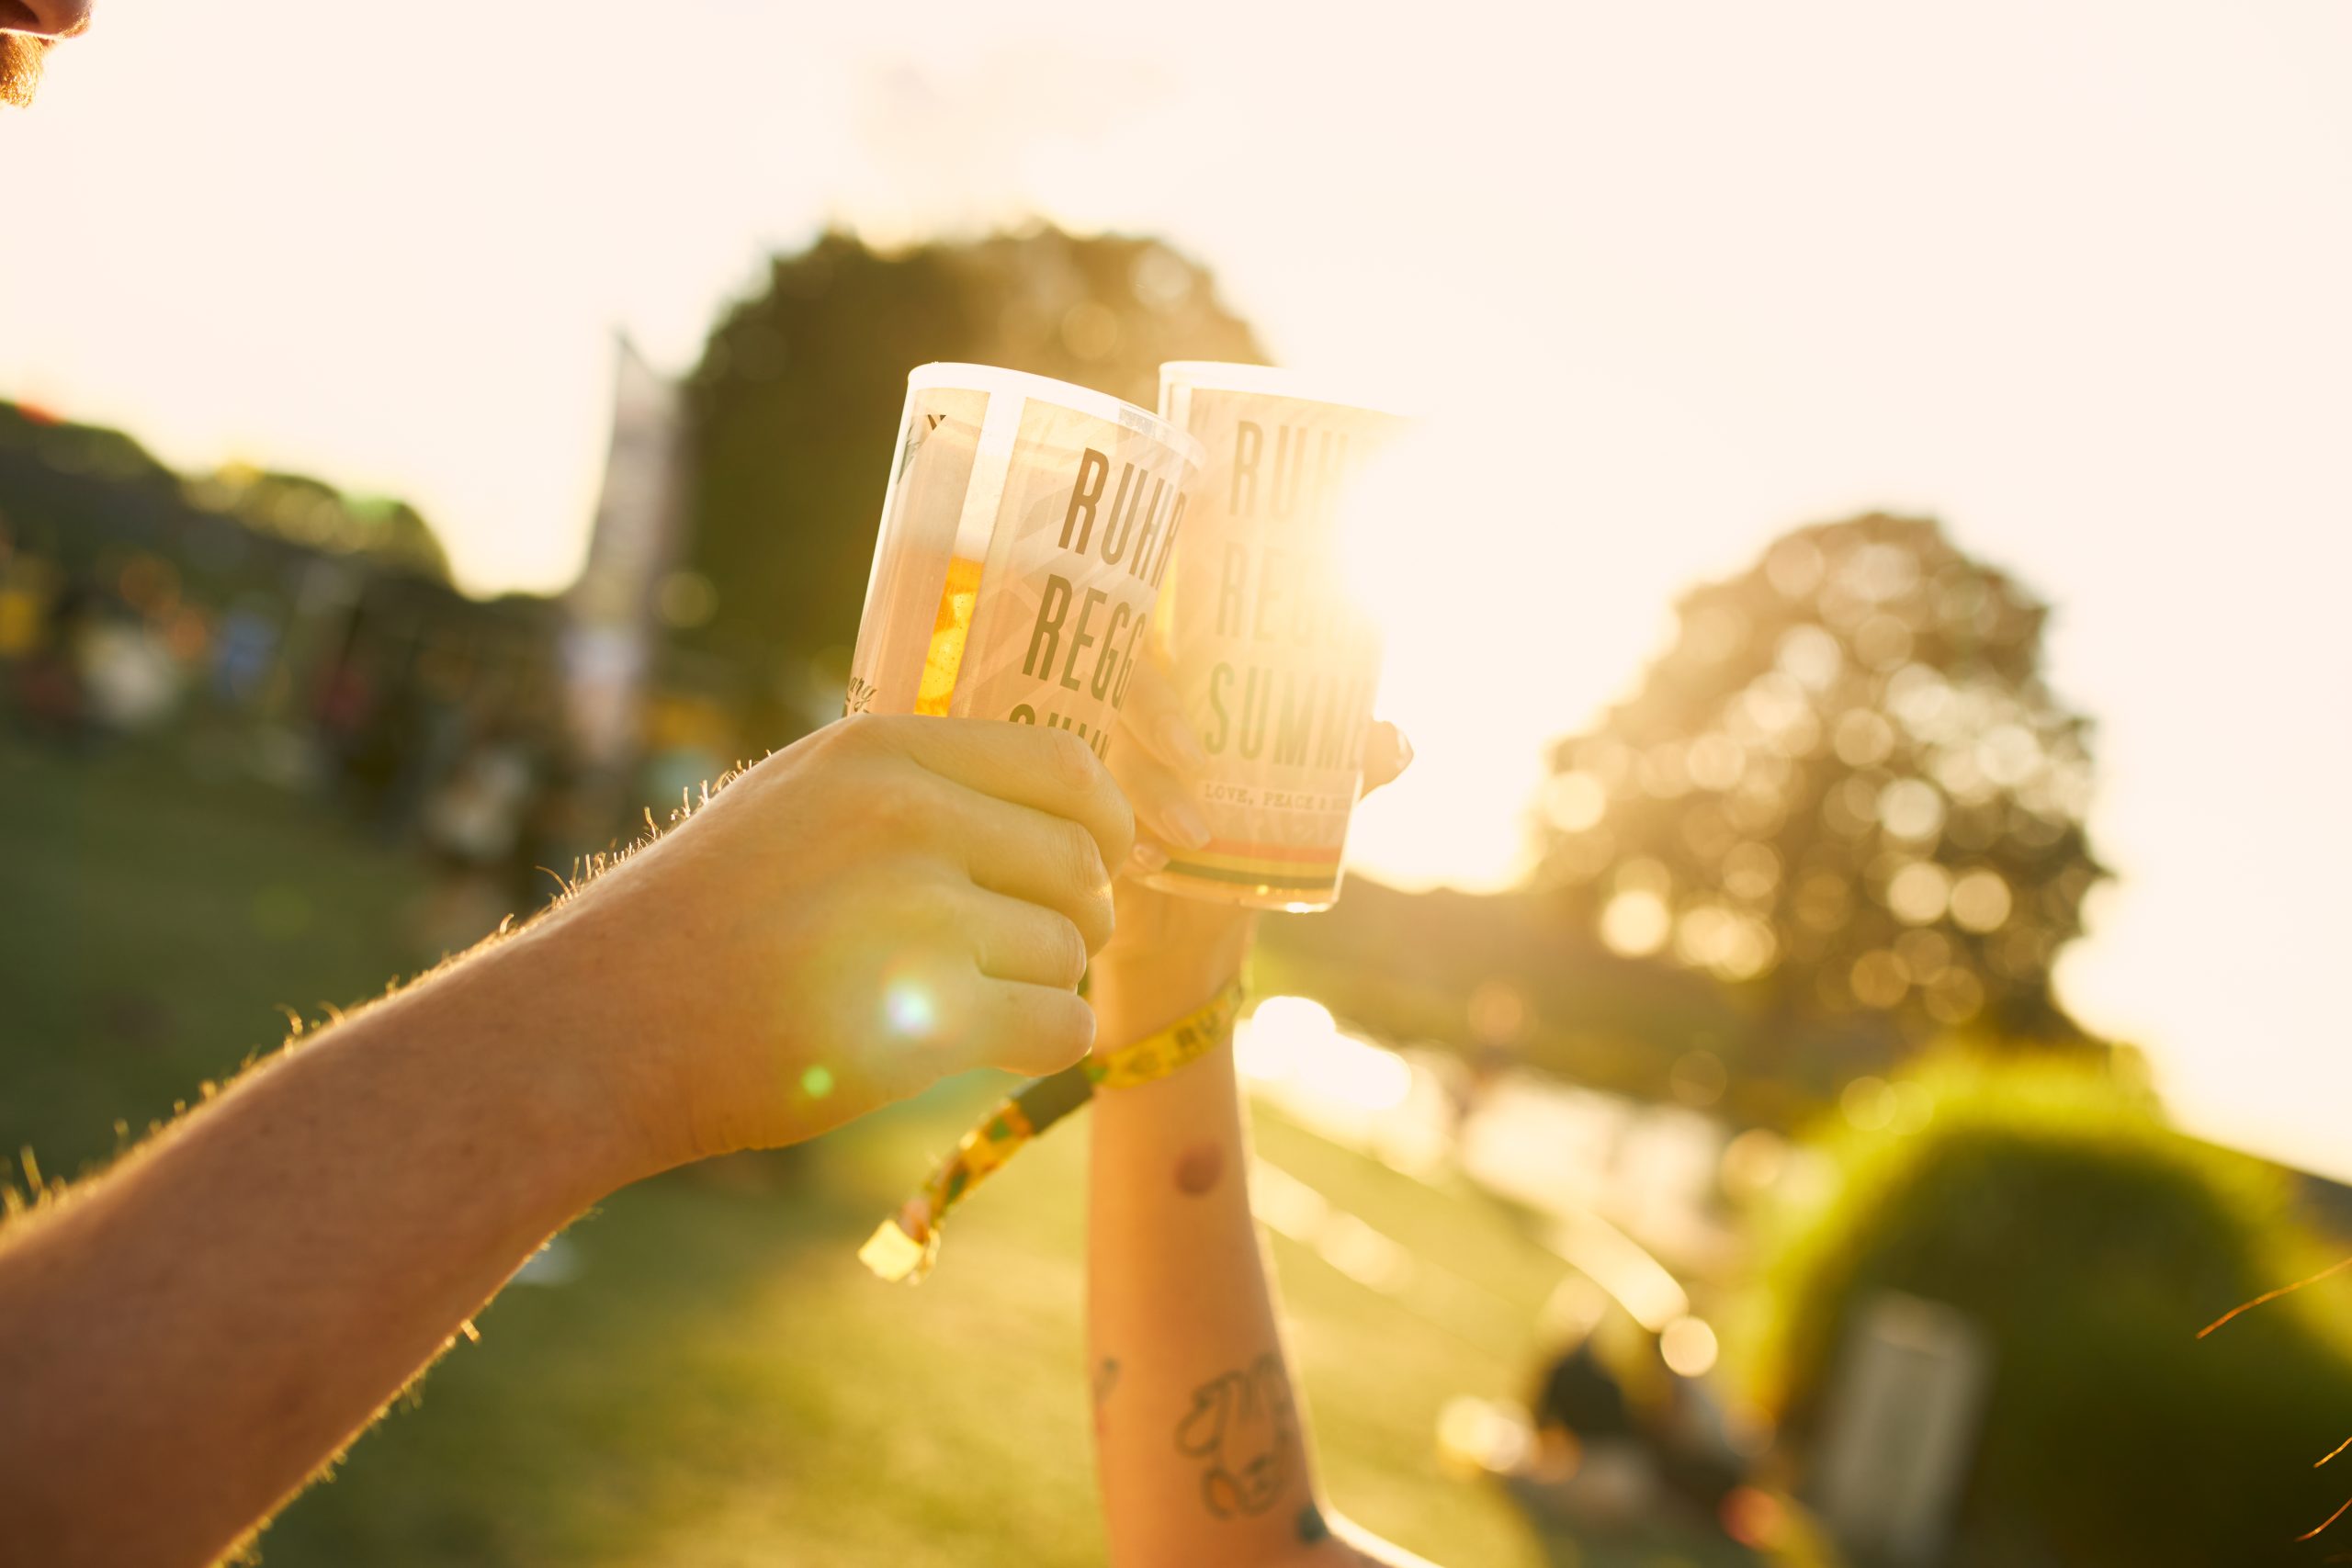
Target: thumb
1386, 754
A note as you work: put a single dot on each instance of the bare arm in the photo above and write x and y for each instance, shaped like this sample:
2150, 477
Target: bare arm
187, 1338
183, 1341
1200, 1435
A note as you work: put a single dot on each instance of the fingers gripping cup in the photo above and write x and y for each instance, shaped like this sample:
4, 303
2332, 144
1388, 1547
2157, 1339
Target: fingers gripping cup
1274, 666
1024, 536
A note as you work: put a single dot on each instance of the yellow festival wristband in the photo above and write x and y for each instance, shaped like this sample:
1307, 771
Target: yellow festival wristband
904, 1245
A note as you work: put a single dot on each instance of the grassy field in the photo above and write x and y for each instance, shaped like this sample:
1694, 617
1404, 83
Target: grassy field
719, 1382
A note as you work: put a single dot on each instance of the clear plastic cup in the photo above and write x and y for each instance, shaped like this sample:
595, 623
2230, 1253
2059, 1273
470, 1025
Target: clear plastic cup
1274, 665
1024, 536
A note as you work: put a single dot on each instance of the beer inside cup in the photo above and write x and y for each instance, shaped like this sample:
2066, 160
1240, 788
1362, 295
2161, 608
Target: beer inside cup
1024, 534
1275, 666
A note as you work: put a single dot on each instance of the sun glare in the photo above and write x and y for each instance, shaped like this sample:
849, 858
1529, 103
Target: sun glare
1437, 550
1296, 1042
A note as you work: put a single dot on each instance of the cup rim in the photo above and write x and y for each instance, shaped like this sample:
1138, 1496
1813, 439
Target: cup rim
967, 375
1268, 380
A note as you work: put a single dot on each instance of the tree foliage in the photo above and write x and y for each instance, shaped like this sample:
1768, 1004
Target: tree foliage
1845, 791
2087, 1243
102, 485
311, 512
796, 404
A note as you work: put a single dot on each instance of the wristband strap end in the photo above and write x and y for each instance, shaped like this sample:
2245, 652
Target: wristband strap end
895, 1256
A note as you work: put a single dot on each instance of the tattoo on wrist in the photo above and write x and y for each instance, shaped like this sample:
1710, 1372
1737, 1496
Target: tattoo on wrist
1242, 1428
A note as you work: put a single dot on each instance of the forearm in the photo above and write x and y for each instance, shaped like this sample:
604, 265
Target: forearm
1200, 1438
185, 1339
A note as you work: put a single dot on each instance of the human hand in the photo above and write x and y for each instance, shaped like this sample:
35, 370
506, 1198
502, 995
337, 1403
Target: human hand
883, 903
1164, 943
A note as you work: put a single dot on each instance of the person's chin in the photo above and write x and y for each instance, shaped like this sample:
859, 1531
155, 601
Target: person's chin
20, 61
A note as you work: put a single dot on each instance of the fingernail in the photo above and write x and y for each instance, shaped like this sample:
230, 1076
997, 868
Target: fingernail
1187, 826
1404, 747
1147, 857
1182, 743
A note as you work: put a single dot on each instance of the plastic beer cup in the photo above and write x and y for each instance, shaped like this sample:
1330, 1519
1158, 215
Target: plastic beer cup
1026, 531
1274, 666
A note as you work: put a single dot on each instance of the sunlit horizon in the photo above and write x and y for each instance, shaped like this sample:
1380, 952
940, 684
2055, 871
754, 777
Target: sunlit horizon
2069, 282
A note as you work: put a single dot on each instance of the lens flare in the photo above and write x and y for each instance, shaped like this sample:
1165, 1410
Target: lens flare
908, 1009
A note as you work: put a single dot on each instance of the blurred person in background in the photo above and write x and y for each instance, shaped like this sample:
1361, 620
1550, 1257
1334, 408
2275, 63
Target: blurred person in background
126, 670
44, 614
54, 685
1200, 1434
473, 824
245, 653
1590, 1451
1613, 1451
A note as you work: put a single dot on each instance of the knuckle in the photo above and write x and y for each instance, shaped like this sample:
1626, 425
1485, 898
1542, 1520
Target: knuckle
899, 806
1073, 759
1081, 859
928, 909
1069, 960
1096, 921
1119, 822
887, 735
855, 732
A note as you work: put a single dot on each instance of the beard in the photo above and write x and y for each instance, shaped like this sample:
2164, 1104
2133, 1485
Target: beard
20, 61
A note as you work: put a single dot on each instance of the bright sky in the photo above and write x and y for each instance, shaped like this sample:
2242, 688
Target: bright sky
1669, 279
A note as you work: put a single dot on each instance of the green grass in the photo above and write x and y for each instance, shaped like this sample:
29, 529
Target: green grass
154, 927
721, 1383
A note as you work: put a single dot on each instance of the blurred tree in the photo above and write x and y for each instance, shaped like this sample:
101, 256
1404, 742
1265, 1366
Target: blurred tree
1846, 791
84, 490
83, 450
2087, 1242
311, 512
795, 405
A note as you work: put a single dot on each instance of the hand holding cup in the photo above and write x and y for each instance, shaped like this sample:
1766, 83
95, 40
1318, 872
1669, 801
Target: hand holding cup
1158, 762
885, 903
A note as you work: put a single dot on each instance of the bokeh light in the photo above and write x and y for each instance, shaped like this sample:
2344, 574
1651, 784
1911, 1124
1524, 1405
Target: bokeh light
1870, 1103
1688, 1347
1635, 923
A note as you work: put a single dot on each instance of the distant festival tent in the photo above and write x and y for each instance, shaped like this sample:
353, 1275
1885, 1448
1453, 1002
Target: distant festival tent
609, 633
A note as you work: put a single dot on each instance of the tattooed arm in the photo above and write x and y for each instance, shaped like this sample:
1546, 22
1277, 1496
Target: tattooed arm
1201, 1444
